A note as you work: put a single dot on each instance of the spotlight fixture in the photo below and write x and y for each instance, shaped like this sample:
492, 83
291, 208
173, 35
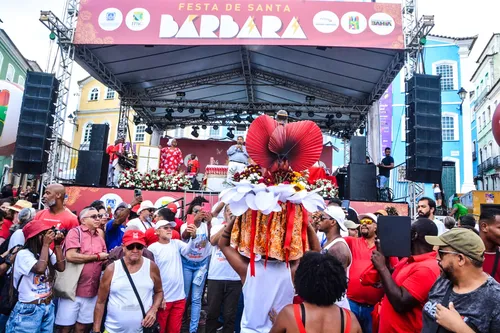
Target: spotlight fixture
137, 120
298, 114
220, 112
194, 132
149, 130
183, 126
224, 122
230, 133
215, 127
204, 126
249, 118
241, 128
204, 117
191, 110
310, 114
310, 99
180, 109
338, 115
180, 94
237, 118
168, 115
153, 109
361, 130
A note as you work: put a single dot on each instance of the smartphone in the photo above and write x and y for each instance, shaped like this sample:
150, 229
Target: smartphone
206, 208
190, 219
345, 204
137, 192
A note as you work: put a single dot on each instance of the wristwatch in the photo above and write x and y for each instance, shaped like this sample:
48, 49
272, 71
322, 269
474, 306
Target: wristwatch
129, 206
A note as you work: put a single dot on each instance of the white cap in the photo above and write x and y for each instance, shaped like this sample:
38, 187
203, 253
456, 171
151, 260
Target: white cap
162, 223
147, 204
368, 215
338, 214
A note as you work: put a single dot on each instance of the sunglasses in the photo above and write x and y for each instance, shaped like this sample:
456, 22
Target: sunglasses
135, 246
366, 221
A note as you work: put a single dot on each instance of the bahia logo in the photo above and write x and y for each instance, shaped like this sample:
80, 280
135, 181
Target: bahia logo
353, 22
138, 19
381, 24
110, 19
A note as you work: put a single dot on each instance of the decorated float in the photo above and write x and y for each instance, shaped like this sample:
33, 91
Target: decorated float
272, 199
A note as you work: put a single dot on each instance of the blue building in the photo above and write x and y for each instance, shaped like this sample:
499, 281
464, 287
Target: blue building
442, 56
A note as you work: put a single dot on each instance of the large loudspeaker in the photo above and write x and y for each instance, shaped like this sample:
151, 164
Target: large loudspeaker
92, 169
99, 137
362, 182
424, 142
35, 123
357, 149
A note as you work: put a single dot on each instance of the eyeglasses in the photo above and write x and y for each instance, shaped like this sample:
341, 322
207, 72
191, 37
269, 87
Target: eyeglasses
366, 221
167, 227
94, 217
135, 246
103, 216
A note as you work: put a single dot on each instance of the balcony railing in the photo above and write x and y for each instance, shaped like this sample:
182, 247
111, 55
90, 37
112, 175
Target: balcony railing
496, 162
398, 183
481, 98
480, 169
474, 155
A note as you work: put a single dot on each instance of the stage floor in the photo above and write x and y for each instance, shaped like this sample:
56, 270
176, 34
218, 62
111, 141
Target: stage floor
79, 197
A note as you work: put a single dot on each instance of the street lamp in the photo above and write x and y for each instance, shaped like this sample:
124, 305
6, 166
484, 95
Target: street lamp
462, 93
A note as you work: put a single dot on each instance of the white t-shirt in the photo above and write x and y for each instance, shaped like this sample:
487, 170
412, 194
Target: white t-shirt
437, 190
168, 259
219, 268
201, 247
33, 286
137, 224
17, 238
440, 226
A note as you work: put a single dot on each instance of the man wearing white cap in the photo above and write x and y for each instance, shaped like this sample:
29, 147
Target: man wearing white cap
332, 222
143, 222
167, 253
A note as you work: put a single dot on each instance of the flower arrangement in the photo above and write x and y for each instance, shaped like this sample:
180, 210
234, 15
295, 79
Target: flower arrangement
154, 180
177, 182
325, 188
130, 178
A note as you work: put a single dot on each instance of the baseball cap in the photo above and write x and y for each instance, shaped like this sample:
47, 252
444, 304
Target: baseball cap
133, 237
20, 205
461, 240
338, 214
368, 215
173, 207
162, 223
350, 224
35, 227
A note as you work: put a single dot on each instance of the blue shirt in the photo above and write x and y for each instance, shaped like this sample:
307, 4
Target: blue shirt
113, 235
237, 155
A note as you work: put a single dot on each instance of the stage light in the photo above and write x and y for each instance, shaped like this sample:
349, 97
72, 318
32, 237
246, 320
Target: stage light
224, 122
249, 118
361, 130
153, 109
241, 128
215, 127
219, 112
204, 117
298, 114
180, 109
338, 115
137, 120
168, 116
310, 114
183, 126
191, 110
52, 35
149, 130
204, 126
237, 118
180, 94
310, 99
195, 133
230, 133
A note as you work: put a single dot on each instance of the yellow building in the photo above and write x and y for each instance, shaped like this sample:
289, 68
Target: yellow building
101, 105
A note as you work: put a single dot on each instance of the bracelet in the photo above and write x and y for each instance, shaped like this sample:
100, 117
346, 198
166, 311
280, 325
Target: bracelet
226, 236
63, 260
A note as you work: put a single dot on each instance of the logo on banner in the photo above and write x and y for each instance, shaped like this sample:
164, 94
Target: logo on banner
110, 19
354, 22
382, 24
326, 21
111, 200
138, 19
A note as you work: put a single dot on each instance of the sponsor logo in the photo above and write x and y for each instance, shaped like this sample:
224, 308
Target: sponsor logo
354, 22
381, 24
326, 22
110, 19
138, 19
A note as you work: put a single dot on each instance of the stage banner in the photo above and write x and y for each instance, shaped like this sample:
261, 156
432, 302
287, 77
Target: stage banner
244, 22
385, 115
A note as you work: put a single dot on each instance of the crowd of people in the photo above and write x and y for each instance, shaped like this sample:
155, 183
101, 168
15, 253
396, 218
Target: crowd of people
149, 270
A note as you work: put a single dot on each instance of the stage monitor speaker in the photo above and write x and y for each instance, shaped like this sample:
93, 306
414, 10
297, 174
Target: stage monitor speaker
357, 148
35, 123
342, 184
362, 182
424, 143
99, 137
92, 169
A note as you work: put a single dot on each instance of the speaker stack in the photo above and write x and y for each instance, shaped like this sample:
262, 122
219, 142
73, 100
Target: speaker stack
424, 142
361, 177
92, 168
35, 123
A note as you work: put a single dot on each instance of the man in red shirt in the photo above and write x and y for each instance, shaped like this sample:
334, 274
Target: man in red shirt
114, 168
489, 231
56, 214
363, 298
407, 289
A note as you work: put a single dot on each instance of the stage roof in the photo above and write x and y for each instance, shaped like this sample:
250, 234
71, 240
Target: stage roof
220, 78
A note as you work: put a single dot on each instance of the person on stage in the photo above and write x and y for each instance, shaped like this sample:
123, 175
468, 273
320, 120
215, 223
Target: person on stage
238, 158
114, 169
171, 158
193, 165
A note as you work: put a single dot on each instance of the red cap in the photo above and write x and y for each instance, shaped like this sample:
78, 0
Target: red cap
35, 227
150, 236
133, 237
173, 207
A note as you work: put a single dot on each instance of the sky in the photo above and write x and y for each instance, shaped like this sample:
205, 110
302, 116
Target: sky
457, 18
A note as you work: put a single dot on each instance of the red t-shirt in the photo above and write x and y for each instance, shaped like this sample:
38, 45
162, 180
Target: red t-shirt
152, 237
417, 275
361, 260
65, 220
178, 226
5, 231
489, 262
